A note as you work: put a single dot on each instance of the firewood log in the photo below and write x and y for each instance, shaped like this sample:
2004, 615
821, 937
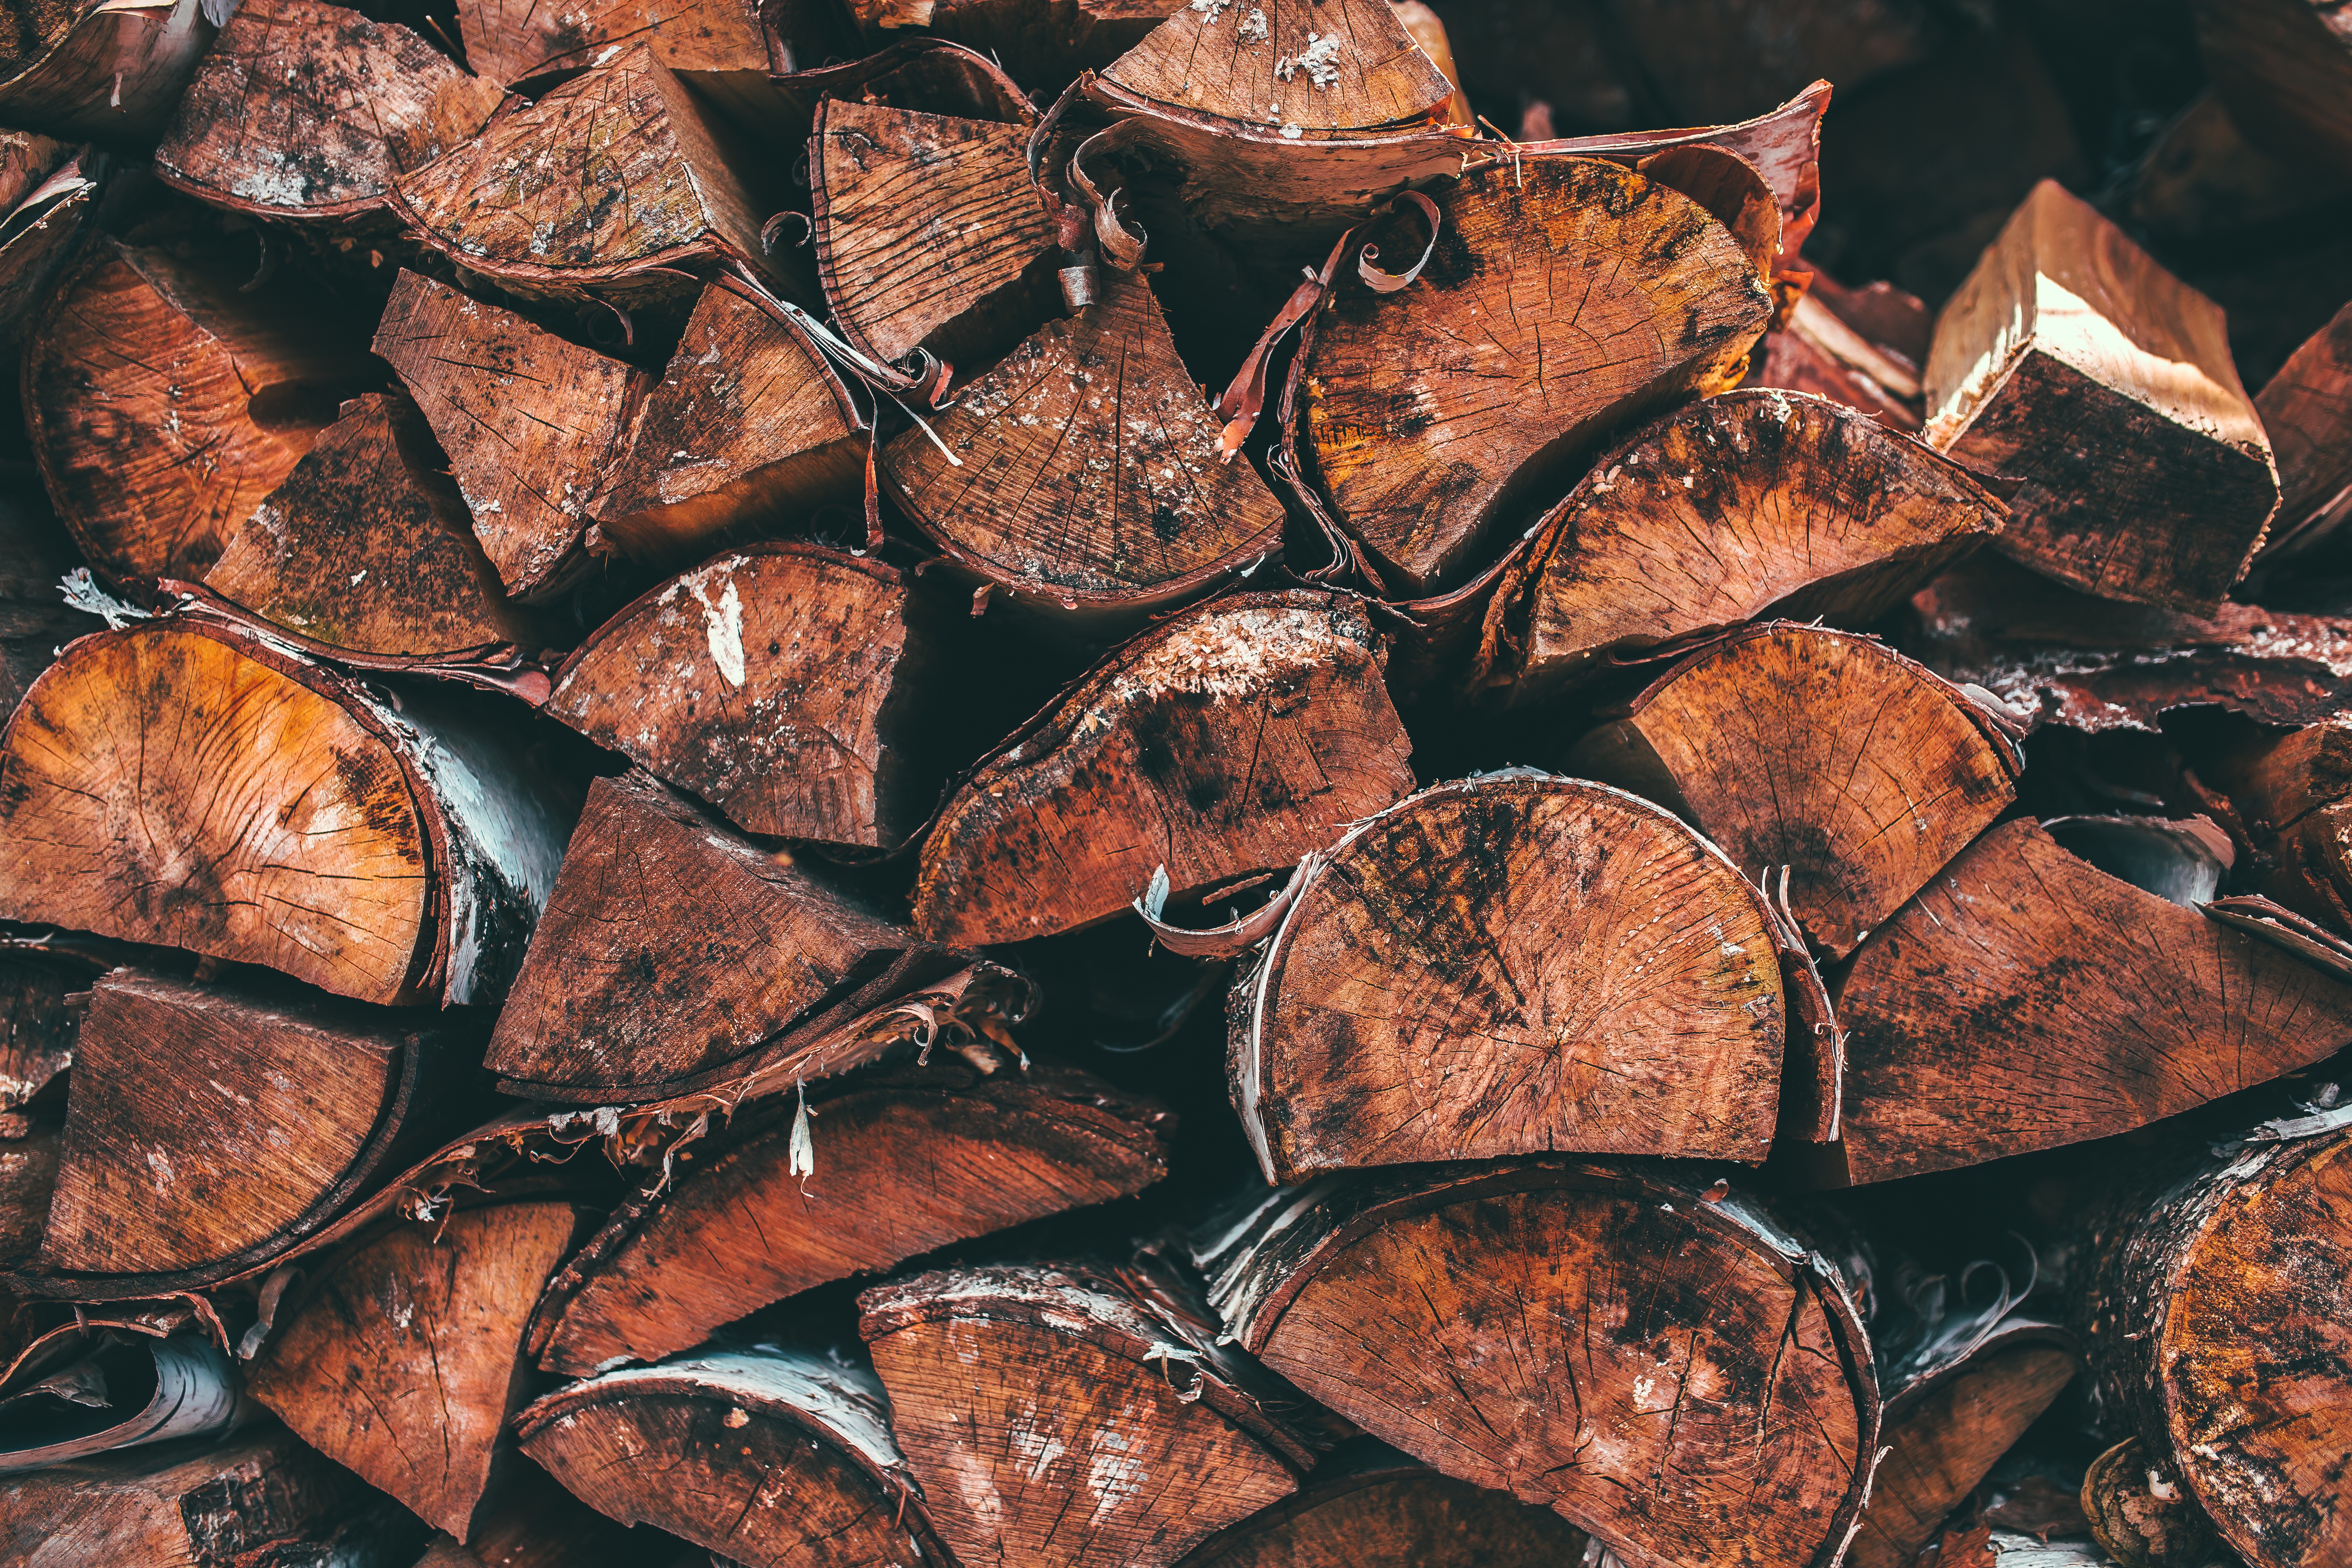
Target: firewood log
191, 785
2289, 795
2028, 999
44, 223
2071, 361
2307, 410
530, 1522
1805, 508
748, 429
511, 44
36, 553
1433, 412
779, 684
2213, 1312
695, 192
767, 1457
199, 1502
111, 73
1820, 751
1054, 1416
1368, 1506
266, 1117
1510, 966
1861, 347
2283, 69
308, 110
746, 1223
82, 1394
1168, 756
528, 421
164, 404
1040, 42
1087, 483
367, 545
399, 1356
2057, 657
1571, 1334
610, 1005
37, 1025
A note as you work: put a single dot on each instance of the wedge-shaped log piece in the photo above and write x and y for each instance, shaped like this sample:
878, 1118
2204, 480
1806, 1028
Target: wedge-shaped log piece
928, 231
1373, 1507
305, 111
1676, 1375
670, 947
2284, 68
1510, 966
193, 786
1824, 752
209, 1127
1052, 1416
1088, 481
2306, 411
164, 404
748, 430
2072, 362
1325, 68
2027, 999
1565, 297
774, 683
606, 186
1231, 740
2293, 795
529, 422
2214, 1315
773, 1459
512, 41
367, 545
400, 1355
122, 1391
109, 72
1752, 502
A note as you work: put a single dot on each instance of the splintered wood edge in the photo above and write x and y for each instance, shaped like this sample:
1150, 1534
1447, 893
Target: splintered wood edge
2011, 1335
1111, 607
495, 666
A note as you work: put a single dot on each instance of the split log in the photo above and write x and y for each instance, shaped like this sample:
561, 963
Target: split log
308, 110
1861, 347
2289, 796
400, 1355
36, 553
1826, 752
1556, 1331
2285, 68
1510, 966
2057, 657
612, 1005
2213, 1314
43, 225
2306, 411
1427, 417
779, 685
30, 1143
514, 43
164, 404
1087, 483
367, 545
929, 230
631, 128
905, 1163
1373, 1507
197, 1503
2028, 999
1228, 742
770, 1458
748, 430
124, 1391
1053, 1416
267, 1116
106, 72
528, 421
1804, 509
191, 785
2072, 362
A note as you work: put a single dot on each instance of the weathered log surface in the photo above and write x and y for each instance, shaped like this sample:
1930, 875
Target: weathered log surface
37, 1027
1512, 966
107, 72
514, 41
2306, 412
2289, 794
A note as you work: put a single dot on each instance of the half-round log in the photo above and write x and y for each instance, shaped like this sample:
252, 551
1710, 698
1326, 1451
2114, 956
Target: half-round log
514, 41
1511, 966
108, 72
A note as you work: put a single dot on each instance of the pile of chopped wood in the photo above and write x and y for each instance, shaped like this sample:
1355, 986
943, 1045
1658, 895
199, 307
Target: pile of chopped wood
1075, 781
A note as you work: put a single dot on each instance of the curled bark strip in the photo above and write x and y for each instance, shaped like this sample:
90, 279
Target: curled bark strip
1380, 282
2282, 927
1812, 1017
1237, 935
1122, 243
1246, 396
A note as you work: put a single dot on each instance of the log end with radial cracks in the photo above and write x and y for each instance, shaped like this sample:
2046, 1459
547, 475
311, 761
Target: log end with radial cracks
512, 41
1824, 752
1566, 297
1328, 68
1513, 966
1230, 741
2026, 999
1756, 501
1087, 476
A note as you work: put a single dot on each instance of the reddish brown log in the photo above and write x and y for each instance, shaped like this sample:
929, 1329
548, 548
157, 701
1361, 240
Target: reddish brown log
92, 71
30, 1144
514, 41
45, 211
2307, 410
1229, 742
1510, 966
2289, 795
1042, 42
37, 1025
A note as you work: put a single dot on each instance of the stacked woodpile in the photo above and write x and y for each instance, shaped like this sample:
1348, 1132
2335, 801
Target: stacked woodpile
1149, 782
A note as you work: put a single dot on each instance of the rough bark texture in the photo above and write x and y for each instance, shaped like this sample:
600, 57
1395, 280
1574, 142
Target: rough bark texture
1230, 741
2069, 361
1511, 966
100, 71
45, 220
1826, 752
2027, 999
1674, 1375
2306, 412
2289, 794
